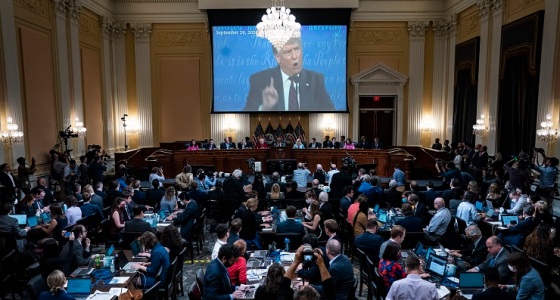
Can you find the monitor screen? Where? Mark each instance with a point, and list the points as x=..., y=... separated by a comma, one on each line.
x=478, y=205
x=437, y=264
x=21, y=219
x=136, y=247
x=471, y=280
x=429, y=253
x=507, y=220
x=79, y=286
x=251, y=76
x=419, y=250
x=382, y=216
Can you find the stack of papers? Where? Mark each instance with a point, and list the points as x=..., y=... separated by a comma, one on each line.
x=442, y=292
x=98, y=295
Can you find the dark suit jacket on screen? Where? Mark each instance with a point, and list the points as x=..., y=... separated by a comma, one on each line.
x=312, y=93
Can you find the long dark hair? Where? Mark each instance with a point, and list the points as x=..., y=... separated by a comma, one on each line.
x=521, y=264
x=171, y=236
x=274, y=278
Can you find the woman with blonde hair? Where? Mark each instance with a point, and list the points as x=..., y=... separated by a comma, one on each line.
x=542, y=214
x=56, y=282
x=275, y=193
x=494, y=194
x=168, y=202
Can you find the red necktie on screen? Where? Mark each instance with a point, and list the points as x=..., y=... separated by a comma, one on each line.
x=293, y=100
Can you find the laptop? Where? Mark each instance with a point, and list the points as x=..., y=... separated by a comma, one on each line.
x=418, y=251
x=429, y=253
x=489, y=204
x=151, y=221
x=471, y=282
x=436, y=267
x=21, y=219
x=376, y=208
x=442, y=250
x=110, y=251
x=478, y=205
x=32, y=221
x=81, y=272
x=509, y=219
x=46, y=218
x=398, y=218
x=79, y=288
x=382, y=216
x=162, y=214
x=490, y=212
x=136, y=247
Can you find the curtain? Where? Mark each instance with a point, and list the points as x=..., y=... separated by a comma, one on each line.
x=464, y=107
x=517, y=107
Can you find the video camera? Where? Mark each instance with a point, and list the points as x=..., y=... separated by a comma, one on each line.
x=67, y=133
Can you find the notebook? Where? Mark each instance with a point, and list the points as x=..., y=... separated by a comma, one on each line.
x=21, y=219
x=436, y=267
x=136, y=247
x=509, y=219
x=471, y=282
x=32, y=221
x=79, y=288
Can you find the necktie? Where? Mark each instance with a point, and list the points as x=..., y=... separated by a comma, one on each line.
x=293, y=100
x=492, y=262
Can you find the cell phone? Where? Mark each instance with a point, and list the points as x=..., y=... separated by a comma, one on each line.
x=67, y=234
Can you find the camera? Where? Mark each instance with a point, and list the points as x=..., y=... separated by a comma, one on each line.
x=308, y=254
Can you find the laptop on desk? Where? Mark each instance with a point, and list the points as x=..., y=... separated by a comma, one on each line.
x=79, y=288
x=32, y=221
x=418, y=251
x=509, y=220
x=436, y=267
x=136, y=248
x=46, y=218
x=479, y=206
x=21, y=219
x=471, y=282
x=382, y=216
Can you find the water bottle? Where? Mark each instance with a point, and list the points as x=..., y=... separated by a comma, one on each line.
x=113, y=267
x=287, y=244
x=116, y=262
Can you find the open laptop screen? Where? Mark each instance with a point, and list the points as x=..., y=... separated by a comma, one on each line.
x=136, y=247
x=382, y=216
x=507, y=220
x=79, y=286
x=437, y=264
x=471, y=280
x=21, y=219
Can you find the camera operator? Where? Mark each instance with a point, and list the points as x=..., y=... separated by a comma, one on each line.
x=71, y=176
x=548, y=172
x=517, y=171
x=308, y=292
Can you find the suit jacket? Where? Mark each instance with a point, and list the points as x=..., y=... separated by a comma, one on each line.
x=326, y=211
x=327, y=144
x=8, y=188
x=89, y=209
x=80, y=256
x=338, y=182
x=60, y=295
x=139, y=197
x=342, y=273
x=393, y=197
x=210, y=146
x=378, y=146
x=290, y=226
x=233, y=237
x=312, y=93
x=316, y=144
x=421, y=211
x=186, y=219
x=224, y=145
x=49, y=196
x=10, y=225
x=248, y=145
x=137, y=225
x=370, y=244
x=475, y=255
x=363, y=145
x=217, y=285
x=411, y=224
x=321, y=176
x=524, y=227
x=499, y=262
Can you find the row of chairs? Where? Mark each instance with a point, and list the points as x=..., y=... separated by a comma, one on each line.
x=369, y=275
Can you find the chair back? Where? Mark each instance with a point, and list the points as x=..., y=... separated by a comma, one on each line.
x=7, y=242
x=543, y=269
x=380, y=284
x=352, y=293
x=200, y=282
x=453, y=205
x=170, y=272
x=363, y=262
x=195, y=291
x=36, y=286
x=294, y=238
x=152, y=293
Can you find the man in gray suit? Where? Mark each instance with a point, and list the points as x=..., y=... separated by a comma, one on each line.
x=82, y=253
x=497, y=258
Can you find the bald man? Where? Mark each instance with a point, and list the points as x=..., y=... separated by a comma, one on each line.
x=341, y=269
x=439, y=222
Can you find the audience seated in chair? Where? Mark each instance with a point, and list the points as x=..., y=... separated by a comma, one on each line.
x=369, y=241
x=397, y=235
x=56, y=282
x=410, y=222
x=476, y=252
x=222, y=233
x=413, y=286
x=290, y=225
x=439, y=223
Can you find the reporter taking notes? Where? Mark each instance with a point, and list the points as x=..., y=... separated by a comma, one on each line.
x=288, y=86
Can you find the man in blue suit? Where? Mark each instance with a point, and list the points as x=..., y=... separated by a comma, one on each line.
x=217, y=285
x=288, y=87
x=369, y=241
x=290, y=225
x=341, y=270
x=186, y=218
x=515, y=233
x=410, y=222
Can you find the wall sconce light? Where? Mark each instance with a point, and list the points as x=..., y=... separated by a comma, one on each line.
x=132, y=126
x=80, y=129
x=479, y=128
x=12, y=136
x=428, y=125
x=546, y=133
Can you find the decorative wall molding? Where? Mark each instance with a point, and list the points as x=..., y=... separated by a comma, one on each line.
x=469, y=24
x=497, y=6
x=483, y=7
x=74, y=8
x=60, y=6
x=38, y=7
x=515, y=6
x=141, y=30
x=179, y=38
x=379, y=37
x=88, y=27
x=418, y=28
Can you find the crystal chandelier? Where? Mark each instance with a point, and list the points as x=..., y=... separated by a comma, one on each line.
x=479, y=128
x=278, y=25
x=546, y=133
x=80, y=129
x=12, y=136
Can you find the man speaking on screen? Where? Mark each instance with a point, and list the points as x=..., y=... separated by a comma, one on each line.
x=288, y=87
